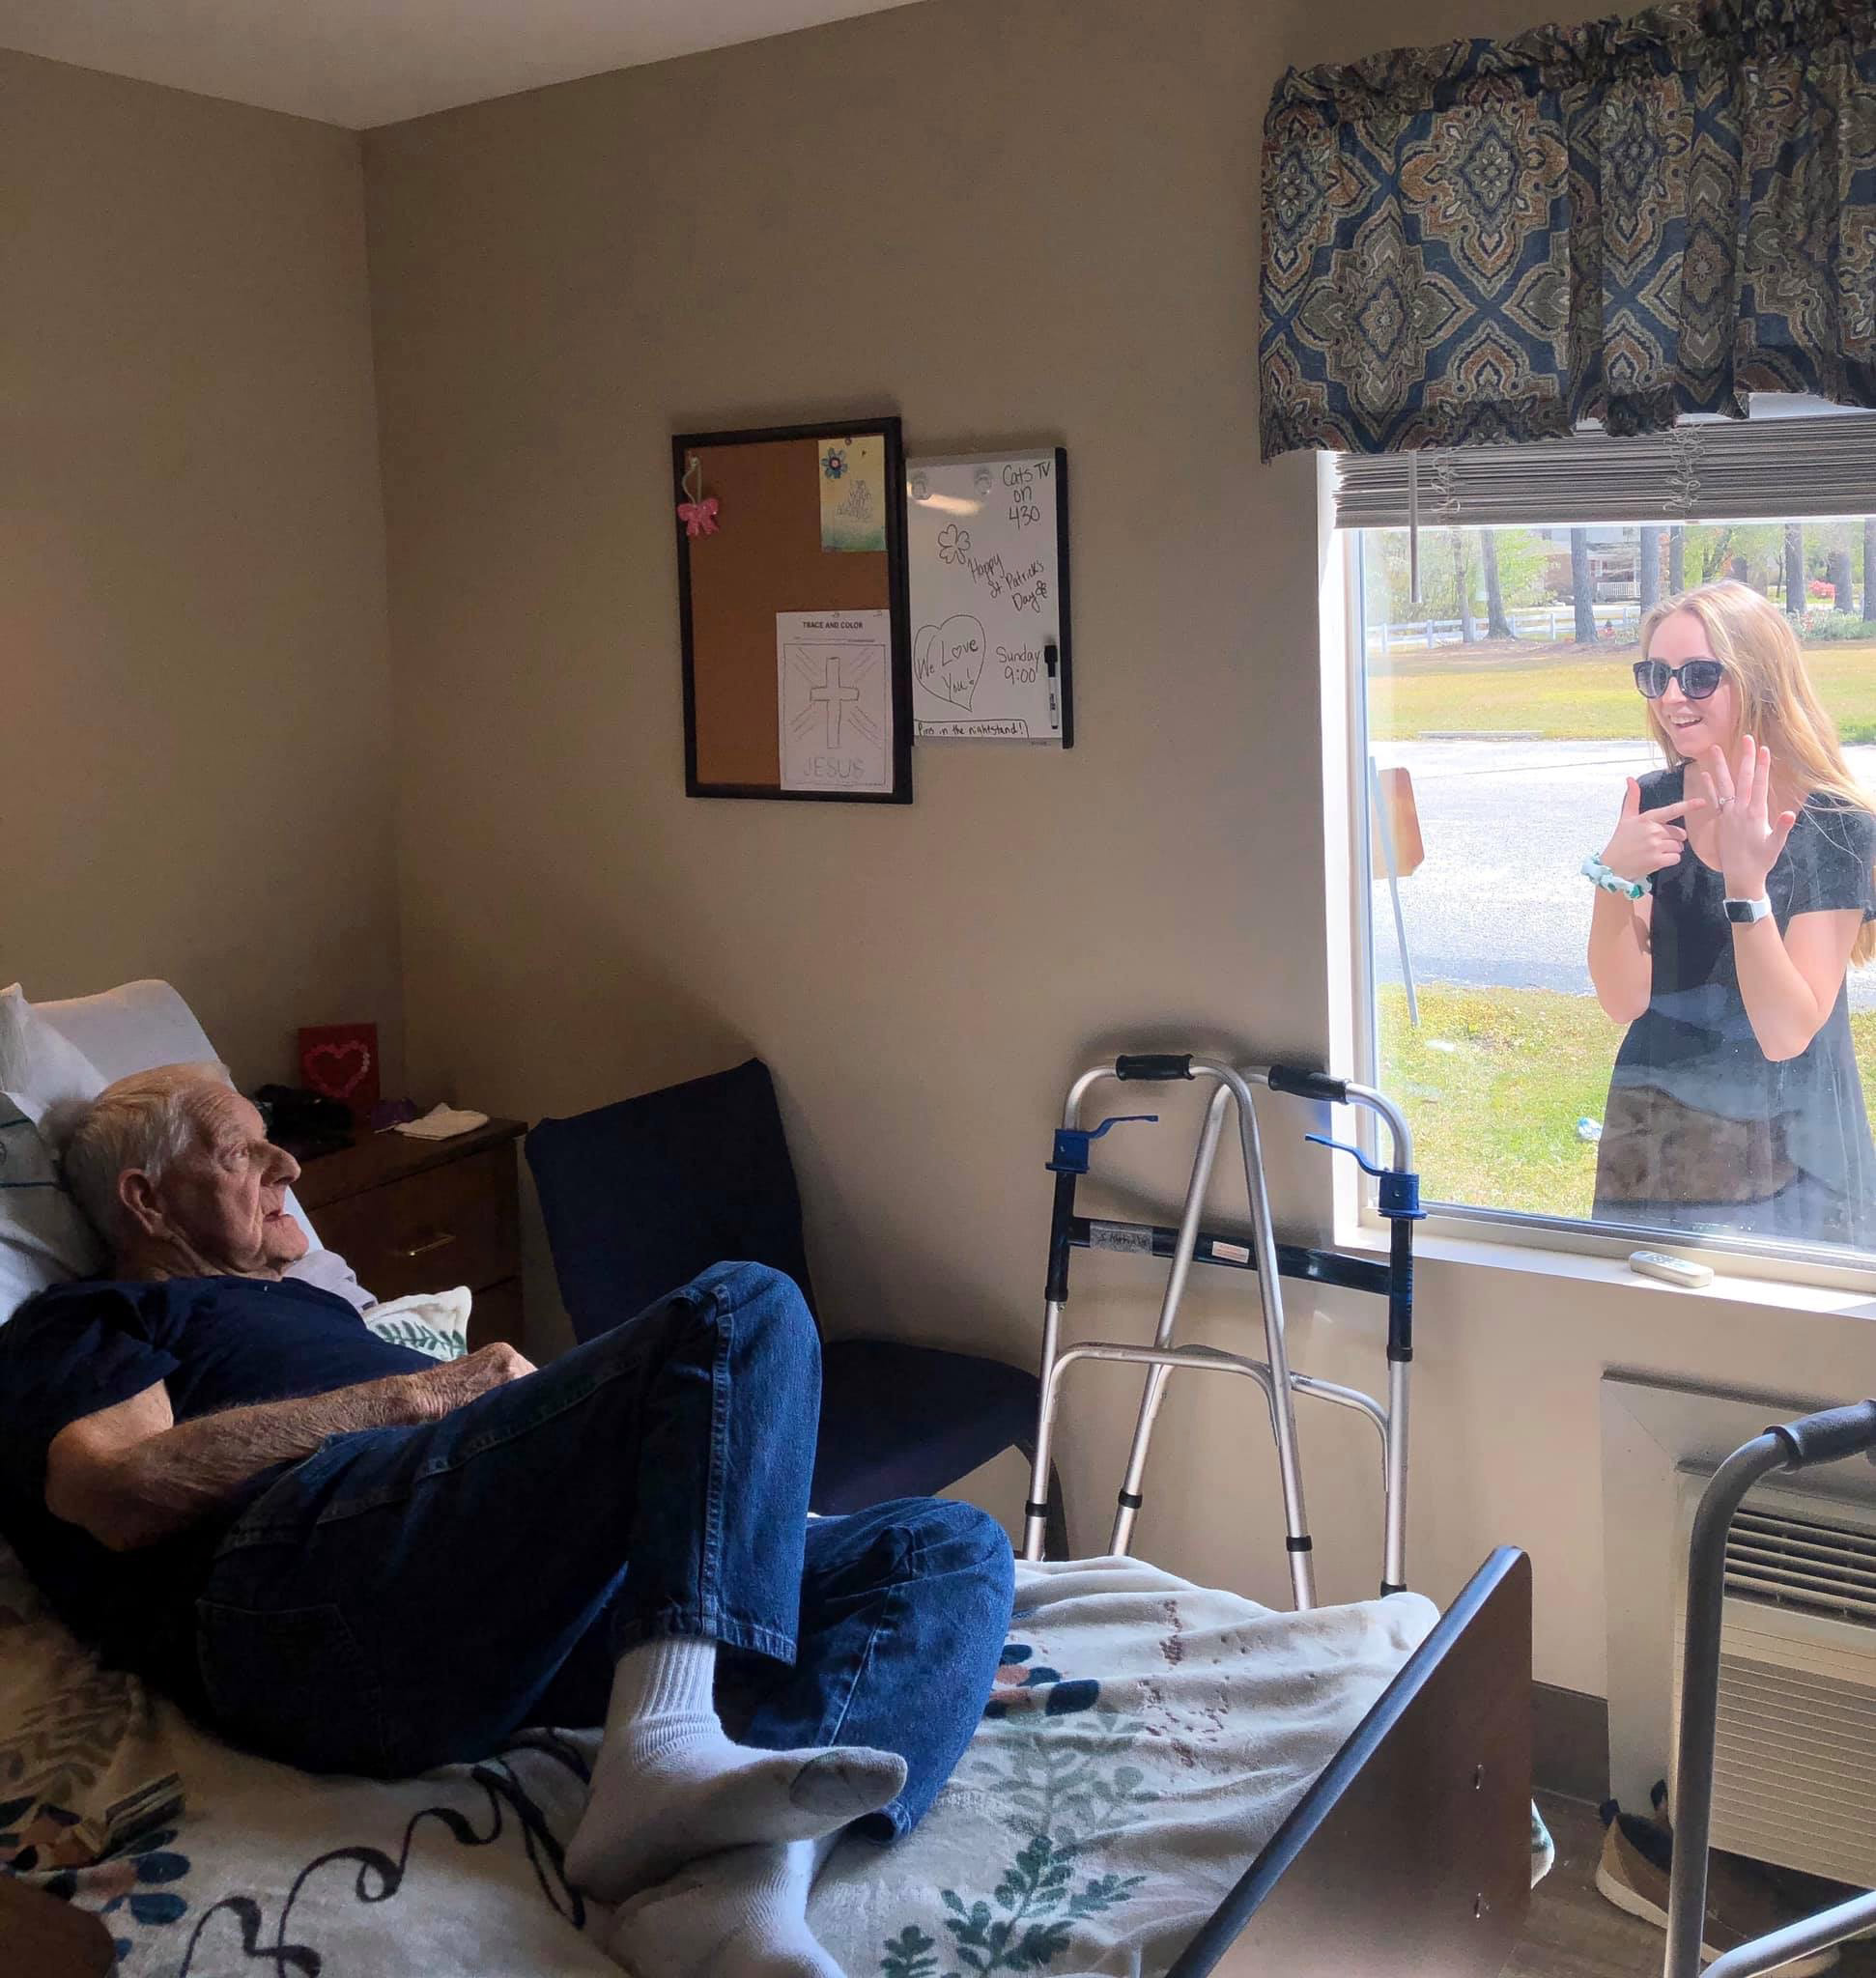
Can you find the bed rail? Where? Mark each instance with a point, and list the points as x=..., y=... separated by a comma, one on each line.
x=1410, y=1854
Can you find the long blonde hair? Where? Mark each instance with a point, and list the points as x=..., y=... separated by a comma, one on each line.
x=1753, y=640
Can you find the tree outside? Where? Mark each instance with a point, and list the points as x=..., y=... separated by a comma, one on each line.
x=1478, y=575
x=1648, y=569
x=1746, y=550
x=1516, y=586
x=1582, y=586
x=1496, y=624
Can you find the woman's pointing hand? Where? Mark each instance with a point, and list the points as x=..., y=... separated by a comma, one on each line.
x=1646, y=841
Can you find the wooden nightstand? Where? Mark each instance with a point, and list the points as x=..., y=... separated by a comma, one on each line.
x=421, y=1215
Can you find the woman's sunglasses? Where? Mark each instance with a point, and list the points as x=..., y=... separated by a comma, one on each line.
x=1697, y=677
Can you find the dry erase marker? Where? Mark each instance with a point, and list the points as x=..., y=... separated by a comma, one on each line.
x=1055, y=713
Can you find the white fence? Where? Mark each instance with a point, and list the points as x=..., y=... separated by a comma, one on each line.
x=1548, y=622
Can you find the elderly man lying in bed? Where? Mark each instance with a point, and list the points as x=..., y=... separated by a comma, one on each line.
x=352, y=1558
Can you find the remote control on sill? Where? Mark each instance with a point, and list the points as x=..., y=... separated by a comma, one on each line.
x=1672, y=1270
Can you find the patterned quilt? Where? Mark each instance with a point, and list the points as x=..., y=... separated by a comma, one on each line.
x=1144, y=1738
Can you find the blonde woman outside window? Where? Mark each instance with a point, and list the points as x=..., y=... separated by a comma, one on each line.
x=1735, y=1103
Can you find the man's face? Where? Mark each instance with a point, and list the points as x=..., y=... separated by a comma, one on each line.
x=225, y=1197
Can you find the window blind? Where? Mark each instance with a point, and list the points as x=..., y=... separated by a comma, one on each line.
x=1758, y=470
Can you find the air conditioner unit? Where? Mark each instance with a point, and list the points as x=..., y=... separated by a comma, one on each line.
x=1795, y=1759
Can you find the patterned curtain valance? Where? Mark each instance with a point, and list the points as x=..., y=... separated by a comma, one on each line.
x=1623, y=221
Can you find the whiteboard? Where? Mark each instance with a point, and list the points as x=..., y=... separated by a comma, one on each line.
x=987, y=554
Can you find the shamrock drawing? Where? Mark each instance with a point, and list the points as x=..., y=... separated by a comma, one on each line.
x=953, y=543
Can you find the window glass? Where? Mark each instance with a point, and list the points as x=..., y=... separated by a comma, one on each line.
x=1561, y=1049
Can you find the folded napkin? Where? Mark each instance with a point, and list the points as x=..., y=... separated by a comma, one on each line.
x=442, y=1122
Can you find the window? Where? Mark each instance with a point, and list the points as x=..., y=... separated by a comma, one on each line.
x=1697, y=1076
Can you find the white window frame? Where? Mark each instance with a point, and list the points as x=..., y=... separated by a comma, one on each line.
x=1354, y=1034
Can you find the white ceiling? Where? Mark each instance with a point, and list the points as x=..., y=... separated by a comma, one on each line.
x=367, y=62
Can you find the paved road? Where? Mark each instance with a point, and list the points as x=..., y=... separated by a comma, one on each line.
x=1506, y=824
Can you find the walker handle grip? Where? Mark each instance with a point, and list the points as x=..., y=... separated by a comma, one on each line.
x=1300, y=1084
x=1829, y=1436
x=1159, y=1065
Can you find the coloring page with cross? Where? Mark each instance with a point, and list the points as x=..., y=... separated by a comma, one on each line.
x=834, y=699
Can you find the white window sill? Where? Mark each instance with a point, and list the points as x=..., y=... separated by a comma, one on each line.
x=1844, y=1299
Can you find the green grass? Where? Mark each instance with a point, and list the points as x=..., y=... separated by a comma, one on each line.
x=1569, y=693
x=1494, y=1082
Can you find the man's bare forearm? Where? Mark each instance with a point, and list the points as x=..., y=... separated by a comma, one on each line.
x=170, y=1482
x=130, y=1475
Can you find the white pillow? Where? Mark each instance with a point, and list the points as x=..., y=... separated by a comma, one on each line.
x=44, y=1239
x=39, y=1067
x=130, y=1028
x=432, y=1322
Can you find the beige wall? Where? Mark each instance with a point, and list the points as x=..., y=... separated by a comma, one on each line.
x=1008, y=220
x=194, y=685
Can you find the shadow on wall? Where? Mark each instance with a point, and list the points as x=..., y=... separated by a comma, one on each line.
x=558, y=1007
x=509, y=1024
x=519, y=1032
x=566, y=1004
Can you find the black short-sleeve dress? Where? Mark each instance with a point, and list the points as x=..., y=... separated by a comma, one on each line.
x=1702, y=1131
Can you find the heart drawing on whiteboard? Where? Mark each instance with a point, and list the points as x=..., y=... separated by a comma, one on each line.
x=337, y=1070
x=948, y=658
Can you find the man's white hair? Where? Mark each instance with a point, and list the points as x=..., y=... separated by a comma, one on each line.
x=148, y=1122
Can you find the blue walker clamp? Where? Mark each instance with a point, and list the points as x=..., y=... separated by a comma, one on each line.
x=1072, y=1143
x=1399, y=1187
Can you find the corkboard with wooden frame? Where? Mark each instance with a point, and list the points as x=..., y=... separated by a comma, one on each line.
x=762, y=556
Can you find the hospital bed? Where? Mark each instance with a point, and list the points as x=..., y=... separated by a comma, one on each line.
x=1169, y=1779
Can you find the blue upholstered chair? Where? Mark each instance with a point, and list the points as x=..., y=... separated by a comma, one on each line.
x=641, y=1195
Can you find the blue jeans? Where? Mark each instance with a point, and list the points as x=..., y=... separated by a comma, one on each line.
x=408, y=1598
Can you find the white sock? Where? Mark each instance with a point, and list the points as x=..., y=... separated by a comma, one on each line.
x=670, y=1788
x=739, y=1914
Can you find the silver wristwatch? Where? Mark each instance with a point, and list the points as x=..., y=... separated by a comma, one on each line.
x=1742, y=913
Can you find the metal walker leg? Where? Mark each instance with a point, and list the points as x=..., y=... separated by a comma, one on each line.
x=1130, y=1500
x=1802, y=1445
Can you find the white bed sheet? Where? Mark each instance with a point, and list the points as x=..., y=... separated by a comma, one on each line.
x=1144, y=1739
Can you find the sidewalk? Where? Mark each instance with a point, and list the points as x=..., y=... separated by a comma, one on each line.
x=1506, y=825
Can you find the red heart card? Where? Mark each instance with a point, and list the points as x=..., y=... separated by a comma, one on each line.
x=340, y=1061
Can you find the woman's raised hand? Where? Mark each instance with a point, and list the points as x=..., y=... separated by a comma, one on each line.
x=1748, y=834
x=1646, y=841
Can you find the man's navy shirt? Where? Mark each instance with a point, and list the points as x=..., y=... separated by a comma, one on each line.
x=215, y=1344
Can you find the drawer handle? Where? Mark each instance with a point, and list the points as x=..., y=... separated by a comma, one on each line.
x=424, y=1248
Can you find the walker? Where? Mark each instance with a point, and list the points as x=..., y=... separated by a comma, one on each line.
x=1824, y=1438
x=1189, y=1243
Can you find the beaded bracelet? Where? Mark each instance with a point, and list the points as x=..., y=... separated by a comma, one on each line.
x=1595, y=870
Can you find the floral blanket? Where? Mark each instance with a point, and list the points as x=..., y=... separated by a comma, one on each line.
x=1144, y=1738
